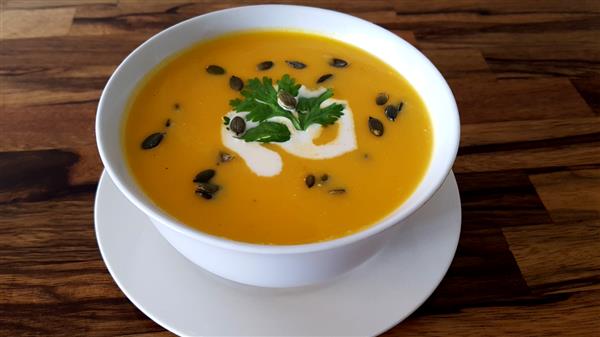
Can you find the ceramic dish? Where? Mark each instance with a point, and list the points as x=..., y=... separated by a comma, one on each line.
x=189, y=301
x=265, y=265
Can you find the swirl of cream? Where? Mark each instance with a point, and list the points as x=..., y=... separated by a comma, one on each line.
x=268, y=163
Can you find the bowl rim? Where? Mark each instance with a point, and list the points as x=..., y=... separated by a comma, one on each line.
x=161, y=216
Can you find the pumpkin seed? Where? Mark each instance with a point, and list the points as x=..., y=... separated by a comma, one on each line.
x=338, y=63
x=391, y=112
x=152, y=141
x=337, y=191
x=286, y=100
x=215, y=70
x=226, y=120
x=325, y=177
x=400, y=106
x=207, y=188
x=168, y=122
x=205, y=176
x=309, y=180
x=324, y=78
x=238, y=125
x=381, y=98
x=375, y=126
x=176, y=107
x=204, y=195
x=225, y=157
x=296, y=64
x=266, y=65
x=236, y=83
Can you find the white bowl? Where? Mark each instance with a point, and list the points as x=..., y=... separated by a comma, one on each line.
x=278, y=266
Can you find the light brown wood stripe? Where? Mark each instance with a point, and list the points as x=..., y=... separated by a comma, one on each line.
x=559, y=156
x=570, y=195
x=18, y=24
x=458, y=63
x=558, y=256
x=527, y=131
x=33, y=4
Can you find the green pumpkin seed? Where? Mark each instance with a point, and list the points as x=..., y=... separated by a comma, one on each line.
x=286, y=100
x=215, y=70
x=325, y=177
x=168, y=122
x=236, y=83
x=309, y=180
x=338, y=63
x=152, y=141
x=238, y=125
x=266, y=65
x=381, y=98
x=207, y=188
x=296, y=64
x=391, y=112
x=204, y=195
x=205, y=176
x=324, y=78
x=375, y=126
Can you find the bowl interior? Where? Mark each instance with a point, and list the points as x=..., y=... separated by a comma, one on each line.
x=407, y=60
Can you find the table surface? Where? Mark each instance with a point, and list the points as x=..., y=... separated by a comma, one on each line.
x=526, y=75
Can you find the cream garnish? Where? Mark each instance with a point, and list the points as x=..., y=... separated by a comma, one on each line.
x=268, y=163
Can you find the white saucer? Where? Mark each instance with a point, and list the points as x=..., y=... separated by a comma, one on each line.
x=187, y=300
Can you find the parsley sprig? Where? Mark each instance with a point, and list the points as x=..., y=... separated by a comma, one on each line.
x=260, y=101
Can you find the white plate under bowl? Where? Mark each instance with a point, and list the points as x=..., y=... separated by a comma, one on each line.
x=189, y=301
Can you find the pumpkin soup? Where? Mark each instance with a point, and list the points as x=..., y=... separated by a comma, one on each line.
x=277, y=137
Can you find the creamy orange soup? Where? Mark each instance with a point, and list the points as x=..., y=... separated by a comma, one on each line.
x=185, y=102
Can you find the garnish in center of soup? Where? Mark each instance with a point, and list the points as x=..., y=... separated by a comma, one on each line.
x=277, y=137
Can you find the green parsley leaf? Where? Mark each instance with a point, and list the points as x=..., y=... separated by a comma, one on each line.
x=267, y=132
x=310, y=111
x=260, y=100
x=287, y=83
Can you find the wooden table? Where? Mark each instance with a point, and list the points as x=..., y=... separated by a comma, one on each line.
x=526, y=75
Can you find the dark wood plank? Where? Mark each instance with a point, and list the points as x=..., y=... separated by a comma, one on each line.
x=482, y=100
x=500, y=199
x=460, y=63
x=566, y=315
x=589, y=89
x=53, y=280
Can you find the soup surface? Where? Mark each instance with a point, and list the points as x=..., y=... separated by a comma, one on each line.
x=185, y=101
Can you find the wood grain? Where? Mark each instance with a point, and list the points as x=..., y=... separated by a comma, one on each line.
x=483, y=100
x=18, y=24
x=526, y=77
x=561, y=193
x=571, y=315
